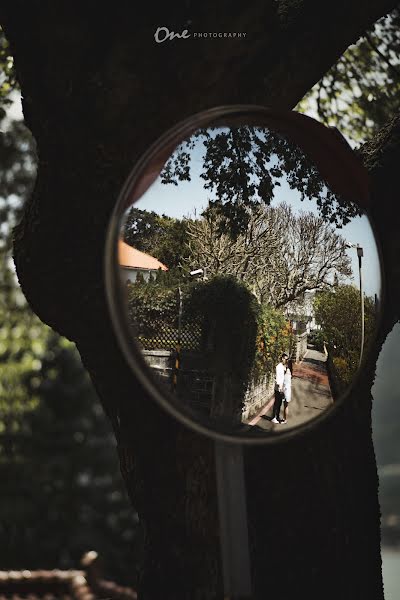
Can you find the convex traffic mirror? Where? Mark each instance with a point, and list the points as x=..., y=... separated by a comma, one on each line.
x=243, y=274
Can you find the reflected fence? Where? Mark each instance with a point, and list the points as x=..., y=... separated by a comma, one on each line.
x=216, y=363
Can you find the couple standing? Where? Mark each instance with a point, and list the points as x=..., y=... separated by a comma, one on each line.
x=283, y=389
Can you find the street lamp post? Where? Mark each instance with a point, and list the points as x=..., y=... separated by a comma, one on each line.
x=199, y=272
x=360, y=254
x=232, y=510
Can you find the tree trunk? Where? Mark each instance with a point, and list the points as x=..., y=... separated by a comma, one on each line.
x=97, y=92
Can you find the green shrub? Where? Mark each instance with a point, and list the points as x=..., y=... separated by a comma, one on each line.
x=228, y=314
x=274, y=336
x=345, y=369
x=317, y=338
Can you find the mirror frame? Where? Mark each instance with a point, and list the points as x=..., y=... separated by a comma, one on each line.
x=325, y=146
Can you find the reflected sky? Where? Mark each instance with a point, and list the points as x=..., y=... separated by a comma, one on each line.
x=189, y=198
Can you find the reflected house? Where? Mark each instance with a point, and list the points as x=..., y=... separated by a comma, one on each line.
x=301, y=314
x=133, y=261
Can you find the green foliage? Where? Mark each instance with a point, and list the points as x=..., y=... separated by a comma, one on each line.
x=317, y=338
x=158, y=235
x=22, y=346
x=250, y=336
x=345, y=368
x=8, y=81
x=235, y=339
x=61, y=493
x=243, y=165
x=338, y=312
x=223, y=308
x=228, y=314
x=152, y=301
x=274, y=336
x=18, y=161
x=361, y=92
x=153, y=310
x=61, y=489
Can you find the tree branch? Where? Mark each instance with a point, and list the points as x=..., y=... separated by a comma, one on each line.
x=374, y=47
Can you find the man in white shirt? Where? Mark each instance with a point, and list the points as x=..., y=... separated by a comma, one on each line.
x=279, y=377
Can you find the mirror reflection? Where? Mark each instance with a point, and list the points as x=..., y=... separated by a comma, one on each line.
x=251, y=287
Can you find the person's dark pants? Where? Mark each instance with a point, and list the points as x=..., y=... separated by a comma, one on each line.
x=277, y=404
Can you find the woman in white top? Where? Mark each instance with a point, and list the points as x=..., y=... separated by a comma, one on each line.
x=287, y=389
x=278, y=392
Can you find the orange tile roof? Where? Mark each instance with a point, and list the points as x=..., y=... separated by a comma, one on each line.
x=135, y=259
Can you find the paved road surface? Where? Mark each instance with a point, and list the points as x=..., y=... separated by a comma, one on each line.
x=311, y=394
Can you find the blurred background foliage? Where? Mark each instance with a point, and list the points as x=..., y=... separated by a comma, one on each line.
x=361, y=91
x=61, y=492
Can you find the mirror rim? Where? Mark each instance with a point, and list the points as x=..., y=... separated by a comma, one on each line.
x=218, y=116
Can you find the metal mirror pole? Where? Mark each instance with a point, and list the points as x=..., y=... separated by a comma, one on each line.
x=233, y=521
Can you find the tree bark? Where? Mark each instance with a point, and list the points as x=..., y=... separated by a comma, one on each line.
x=97, y=91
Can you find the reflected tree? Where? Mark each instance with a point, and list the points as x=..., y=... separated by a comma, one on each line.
x=280, y=255
x=241, y=167
x=338, y=312
x=161, y=236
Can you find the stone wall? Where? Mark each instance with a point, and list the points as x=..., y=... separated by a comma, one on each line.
x=161, y=362
x=194, y=378
x=301, y=346
x=257, y=395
